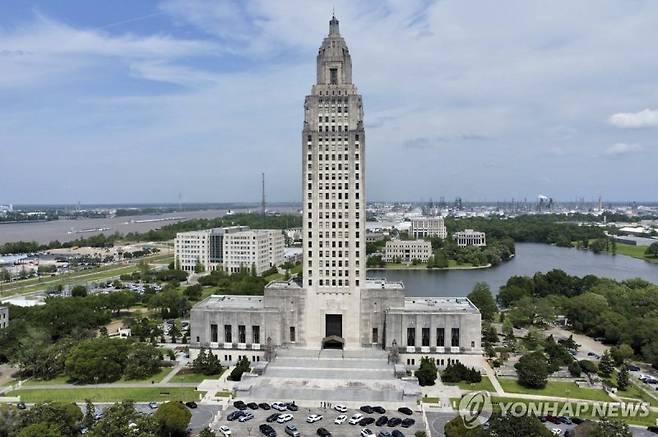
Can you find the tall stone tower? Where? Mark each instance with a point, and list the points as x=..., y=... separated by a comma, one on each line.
x=333, y=152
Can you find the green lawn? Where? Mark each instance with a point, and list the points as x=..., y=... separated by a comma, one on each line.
x=108, y=394
x=556, y=388
x=635, y=252
x=63, y=379
x=633, y=391
x=452, y=264
x=186, y=375
x=484, y=385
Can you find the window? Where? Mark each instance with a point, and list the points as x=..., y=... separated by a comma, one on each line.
x=411, y=336
x=333, y=73
x=440, y=336
x=375, y=335
x=255, y=333
x=228, y=336
x=455, y=337
x=425, y=337
x=213, y=333
x=292, y=334
x=242, y=334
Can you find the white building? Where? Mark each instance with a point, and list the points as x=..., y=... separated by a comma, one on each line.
x=4, y=317
x=205, y=246
x=469, y=237
x=259, y=248
x=407, y=250
x=422, y=227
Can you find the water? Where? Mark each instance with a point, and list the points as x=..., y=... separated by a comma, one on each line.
x=530, y=258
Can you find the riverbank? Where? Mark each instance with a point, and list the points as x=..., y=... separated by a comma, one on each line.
x=396, y=266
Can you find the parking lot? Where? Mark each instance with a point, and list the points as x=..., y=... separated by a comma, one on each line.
x=250, y=428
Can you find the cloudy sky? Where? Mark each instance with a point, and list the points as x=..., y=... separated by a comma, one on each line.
x=138, y=101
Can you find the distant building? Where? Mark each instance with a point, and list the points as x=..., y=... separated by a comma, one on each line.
x=205, y=246
x=469, y=237
x=422, y=227
x=4, y=317
x=373, y=237
x=407, y=250
x=259, y=248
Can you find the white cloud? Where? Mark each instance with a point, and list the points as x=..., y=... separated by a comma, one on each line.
x=645, y=118
x=622, y=149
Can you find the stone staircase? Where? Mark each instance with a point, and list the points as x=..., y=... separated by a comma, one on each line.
x=328, y=375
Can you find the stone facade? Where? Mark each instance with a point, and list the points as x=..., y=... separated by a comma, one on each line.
x=424, y=227
x=469, y=237
x=334, y=306
x=407, y=250
x=205, y=246
x=4, y=317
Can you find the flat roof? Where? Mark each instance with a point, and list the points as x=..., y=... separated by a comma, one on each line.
x=288, y=285
x=374, y=283
x=217, y=301
x=437, y=305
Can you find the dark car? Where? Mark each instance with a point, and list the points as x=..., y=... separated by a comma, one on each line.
x=406, y=423
x=565, y=420
x=323, y=432
x=384, y=433
x=577, y=420
x=542, y=419
x=632, y=368
x=366, y=421
x=379, y=410
x=21, y=405
x=397, y=433
x=234, y=415
x=394, y=421
x=272, y=417
x=653, y=429
x=553, y=419
x=267, y=430
x=381, y=421
x=190, y=404
x=366, y=409
x=264, y=406
x=291, y=406
x=252, y=405
x=405, y=410
x=240, y=405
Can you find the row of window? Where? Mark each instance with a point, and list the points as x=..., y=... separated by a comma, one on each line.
x=333, y=253
x=425, y=337
x=228, y=334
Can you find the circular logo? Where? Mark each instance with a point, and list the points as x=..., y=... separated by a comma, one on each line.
x=475, y=408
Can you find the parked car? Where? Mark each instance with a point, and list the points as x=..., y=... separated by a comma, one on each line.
x=366, y=409
x=252, y=405
x=21, y=406
x=577, y=420
x=381, y=421
x=245, y=417
x=405, y=410
x=565, y=420
x=366, y=421
x=272, y=417
x=379, y=410
x=340, y=408
x=340, y=419
x=367, y=432
x=279, y=406
x=267, y=430
x=653, y=429
x=394, y=421
x=264, y=406
x=556, y=431
x=314, y=418
x=240, y=405
x=292, y=430
x=408, y=422
x=323, y=432
x=190, y=404
x=397, y=433
x=290, y=406
x=632, y=368
x=384, y=433
x=283, y=418
x=356, y=418
x=153, y=405
x=553, y=419
x=235, y=415
x=225, y=430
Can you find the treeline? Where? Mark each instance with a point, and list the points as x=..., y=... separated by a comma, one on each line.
x=165, y=233
x=550, y=229
x=621, y=313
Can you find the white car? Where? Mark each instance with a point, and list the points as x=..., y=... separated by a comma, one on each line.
x=283, y=418
x=225, y=430
x=341, y=408
x=556, y=431
x=340, y=419
x=367, y=432
x=356, y=418
x=314, y=418
x=245, y=417
x=279, y=406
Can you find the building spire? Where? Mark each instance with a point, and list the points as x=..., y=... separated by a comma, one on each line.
x=333, y=25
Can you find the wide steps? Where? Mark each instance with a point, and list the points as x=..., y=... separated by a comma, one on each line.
x=330, y=363
x=328, y=373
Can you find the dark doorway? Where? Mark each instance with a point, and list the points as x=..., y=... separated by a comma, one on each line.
x=333, y=325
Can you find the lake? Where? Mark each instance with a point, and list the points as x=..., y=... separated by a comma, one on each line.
x=530, y=258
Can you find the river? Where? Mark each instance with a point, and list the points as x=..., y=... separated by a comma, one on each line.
x=530, y=258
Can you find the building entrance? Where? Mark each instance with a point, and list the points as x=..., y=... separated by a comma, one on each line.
x=333, y=332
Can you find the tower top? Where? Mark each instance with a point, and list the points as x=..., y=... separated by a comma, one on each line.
x=333, y=26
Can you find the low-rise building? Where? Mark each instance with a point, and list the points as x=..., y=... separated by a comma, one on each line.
x=205, y=247
x=427, y=227
x=4, y=317
x=258, y=249
x=469, y=237
x=407, y=250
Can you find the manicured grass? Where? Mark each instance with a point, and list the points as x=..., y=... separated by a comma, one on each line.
x=484, y=385
x=633, y=391
x=186, y=375
x=430, y=400
x=108, y=394
x=557, y=389
x=164, y=371
x=63, y=379
x=635, y=252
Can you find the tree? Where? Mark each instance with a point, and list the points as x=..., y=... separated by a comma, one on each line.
x=610, y=428
x=89, y=417
x=456, y=428
x=426, y=372
x=101, y=359
x=143, y=360
x=588, y=366
x=606, y=365
x=173, y=419
x=63, y=417
x=207, y=432
x=623, y=379
x=652, y=250
x=117, y=420
x=240, y=368
x=40, y=430
x=574, y=369
x=174, y=332
x=532, y=370
x=193, y=292
x=9, y=419
x=621, y=353
x=79, y=291
x=482, y=298
x=199, y=268
x=513, y=426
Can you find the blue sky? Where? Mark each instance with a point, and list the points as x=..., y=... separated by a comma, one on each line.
x=137, y=101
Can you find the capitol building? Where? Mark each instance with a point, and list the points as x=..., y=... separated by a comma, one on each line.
x=336, y=305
